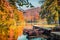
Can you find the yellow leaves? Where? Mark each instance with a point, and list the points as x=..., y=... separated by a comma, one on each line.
x=11, y=21
x=8, y=18
x=13, y=27
x=21, y=22
x=3, y=33
x=20, y=32
x=0, y=12
x=20, y=14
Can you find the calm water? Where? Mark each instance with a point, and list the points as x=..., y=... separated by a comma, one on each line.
x=23, y=37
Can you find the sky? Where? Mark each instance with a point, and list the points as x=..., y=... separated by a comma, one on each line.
x=35, y=3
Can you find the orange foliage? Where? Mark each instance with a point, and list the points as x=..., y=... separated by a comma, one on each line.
x=12, y=19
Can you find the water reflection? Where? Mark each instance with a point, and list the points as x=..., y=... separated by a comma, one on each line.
x=23, y=37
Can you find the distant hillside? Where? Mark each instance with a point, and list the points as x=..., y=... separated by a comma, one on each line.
x=32, y=14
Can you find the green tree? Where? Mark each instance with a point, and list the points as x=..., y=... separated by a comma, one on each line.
x=20, y=3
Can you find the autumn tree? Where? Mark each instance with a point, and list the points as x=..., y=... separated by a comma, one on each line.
x=11, y=20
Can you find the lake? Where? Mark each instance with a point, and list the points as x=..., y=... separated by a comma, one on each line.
x=23, y=37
